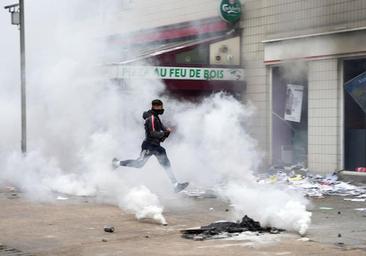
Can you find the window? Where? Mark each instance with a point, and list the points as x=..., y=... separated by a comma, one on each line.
x=198, y=55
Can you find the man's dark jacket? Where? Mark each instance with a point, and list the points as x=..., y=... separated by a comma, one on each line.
x=155, y=131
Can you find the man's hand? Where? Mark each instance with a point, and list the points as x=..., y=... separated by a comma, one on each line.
x=167, y=133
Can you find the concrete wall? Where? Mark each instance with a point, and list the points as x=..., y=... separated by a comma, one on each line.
x=286, y=18
x=253, y=26
x=231, y=57
x=324, y=116
x=156, y=13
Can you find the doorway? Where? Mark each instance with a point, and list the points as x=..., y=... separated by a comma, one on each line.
x=290, y=114
x=354, y=114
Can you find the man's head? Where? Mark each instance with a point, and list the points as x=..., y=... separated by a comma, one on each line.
x=157, y=106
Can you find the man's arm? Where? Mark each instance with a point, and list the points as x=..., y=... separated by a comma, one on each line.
x=167, y=131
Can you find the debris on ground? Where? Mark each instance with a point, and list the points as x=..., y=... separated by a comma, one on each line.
x=62, y=198
x=298, y=178
x=11, y=189
x=361, y=209
x=304, y=239
x=4, y=250
x=355, y=199
x=361, y=169
x=13, y=196
x=225, y=229
x=108, y=228
x=197, y=193
x=325, y=208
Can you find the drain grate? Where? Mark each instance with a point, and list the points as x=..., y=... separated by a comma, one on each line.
x=7, y=251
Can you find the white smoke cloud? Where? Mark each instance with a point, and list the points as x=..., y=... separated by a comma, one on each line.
x=269, y=205
x=78, y=121
x=212, y=148
x=144, y=204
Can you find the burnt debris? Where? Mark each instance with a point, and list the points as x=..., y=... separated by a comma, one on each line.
x=109, y=228
x=223, y=229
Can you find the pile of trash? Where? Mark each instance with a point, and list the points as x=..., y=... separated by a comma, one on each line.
x=298, y=178
x=226, y=229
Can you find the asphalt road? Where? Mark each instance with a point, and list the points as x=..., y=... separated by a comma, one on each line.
x=75, y=227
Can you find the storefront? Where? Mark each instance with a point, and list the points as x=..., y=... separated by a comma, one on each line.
x=327, y=130
x=193, y=59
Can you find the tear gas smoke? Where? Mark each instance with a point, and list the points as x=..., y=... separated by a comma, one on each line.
x=269, y=205
x=144, y=204
x=212, y=148
x=78, y=121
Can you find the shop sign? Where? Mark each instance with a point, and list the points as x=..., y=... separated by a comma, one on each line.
x=230, y=10
x=294, y=99
x=180, y=73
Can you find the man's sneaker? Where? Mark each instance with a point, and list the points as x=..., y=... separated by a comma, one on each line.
x=116, y=163
x=178, y=187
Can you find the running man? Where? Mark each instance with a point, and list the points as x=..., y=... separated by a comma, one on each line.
x=155, y=133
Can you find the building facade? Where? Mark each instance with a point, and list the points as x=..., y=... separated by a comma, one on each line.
x=297, y=55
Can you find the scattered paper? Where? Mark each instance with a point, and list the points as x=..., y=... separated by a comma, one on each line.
x=312, y=185
x=325, y=208
x=361, y=209
x=61, y=198
x=355, y=199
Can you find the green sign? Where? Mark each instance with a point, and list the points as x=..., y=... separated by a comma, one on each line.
x=177, y=73
x=230, y=10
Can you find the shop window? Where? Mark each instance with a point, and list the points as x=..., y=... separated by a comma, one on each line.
x=198, y=56
x=289, y=115
x=354, y=115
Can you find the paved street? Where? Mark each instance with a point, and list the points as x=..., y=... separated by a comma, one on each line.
x=75, y=227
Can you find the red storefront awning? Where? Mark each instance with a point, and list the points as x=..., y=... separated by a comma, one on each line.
x=156, y=50
x=173, y=33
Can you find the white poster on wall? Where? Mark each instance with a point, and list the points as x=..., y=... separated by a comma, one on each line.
x=294, y=99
